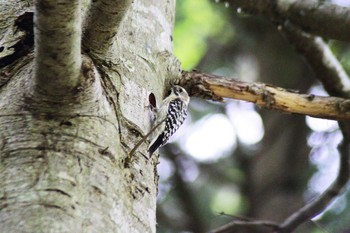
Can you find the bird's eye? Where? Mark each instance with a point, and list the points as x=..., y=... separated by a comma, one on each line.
x=180, y=90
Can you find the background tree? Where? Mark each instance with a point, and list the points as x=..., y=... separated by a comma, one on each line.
x=265, y=179
x=74, y=85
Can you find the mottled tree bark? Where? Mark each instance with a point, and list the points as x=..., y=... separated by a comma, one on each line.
x=63, y=148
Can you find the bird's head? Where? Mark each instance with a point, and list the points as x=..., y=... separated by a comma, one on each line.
x=180, y=92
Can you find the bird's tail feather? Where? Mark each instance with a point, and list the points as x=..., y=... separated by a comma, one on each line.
x=157, y=143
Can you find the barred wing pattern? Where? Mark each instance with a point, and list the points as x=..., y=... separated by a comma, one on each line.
x=176, y=115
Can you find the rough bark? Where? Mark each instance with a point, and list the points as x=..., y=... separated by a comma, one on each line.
x=63, y=161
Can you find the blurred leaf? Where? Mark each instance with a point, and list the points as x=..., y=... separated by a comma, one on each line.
x=226, y=200
x=196, y=22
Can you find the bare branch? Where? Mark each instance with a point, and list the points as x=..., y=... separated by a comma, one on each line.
x=214, y=87
x=319, y=204
x=245, y=226
x=321, y=59
x=57, y=44
x=102, y=24
x=317, y=17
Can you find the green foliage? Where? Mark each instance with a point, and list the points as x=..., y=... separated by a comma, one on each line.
x=196, y=23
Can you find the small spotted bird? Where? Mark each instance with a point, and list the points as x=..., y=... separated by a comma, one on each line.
x=169, y=117
x=172, y=113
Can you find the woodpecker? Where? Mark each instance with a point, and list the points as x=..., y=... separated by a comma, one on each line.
x=171, y=114
x=169, y=117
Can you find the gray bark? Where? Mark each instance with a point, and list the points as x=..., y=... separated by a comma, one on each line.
x=57, y=35
x=64, y=165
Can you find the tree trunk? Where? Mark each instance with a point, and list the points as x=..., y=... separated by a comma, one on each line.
x=64, y=157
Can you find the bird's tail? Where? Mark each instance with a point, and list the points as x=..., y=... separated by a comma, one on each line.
x=156, y=144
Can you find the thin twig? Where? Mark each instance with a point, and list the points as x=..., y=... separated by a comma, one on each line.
x=131, y=153
x=254, y=225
